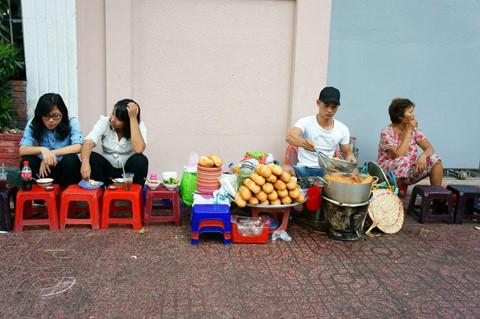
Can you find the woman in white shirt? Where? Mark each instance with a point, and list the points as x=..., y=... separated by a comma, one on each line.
x=124, y=138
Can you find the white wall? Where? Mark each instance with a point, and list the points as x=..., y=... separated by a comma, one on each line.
x=49, y=28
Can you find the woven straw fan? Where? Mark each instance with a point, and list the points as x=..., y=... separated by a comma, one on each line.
x=386, y=212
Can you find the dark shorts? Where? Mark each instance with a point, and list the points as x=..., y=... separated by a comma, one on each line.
x=305, y=171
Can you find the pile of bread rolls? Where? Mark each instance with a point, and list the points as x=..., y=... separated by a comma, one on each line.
x=210, y=161
x=269, y=185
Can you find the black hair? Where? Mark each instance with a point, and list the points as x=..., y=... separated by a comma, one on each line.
x=121, y=113
x=397, y=109
x=44, y=106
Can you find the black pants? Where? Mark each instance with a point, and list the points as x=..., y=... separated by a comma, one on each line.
x=103, y=171
x=66, y=172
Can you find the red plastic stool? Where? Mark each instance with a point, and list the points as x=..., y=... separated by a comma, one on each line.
x=24, y=206
x=134, y=196
x=162, y=193
x=75, y=193
x=211, y=226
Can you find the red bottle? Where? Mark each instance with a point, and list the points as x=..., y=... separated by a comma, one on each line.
x=26, y=177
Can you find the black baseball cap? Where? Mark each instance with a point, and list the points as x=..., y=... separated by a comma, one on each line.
x=330, y=94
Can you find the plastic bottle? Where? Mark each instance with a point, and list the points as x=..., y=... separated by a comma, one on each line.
x=245, y=170
x=26, y=177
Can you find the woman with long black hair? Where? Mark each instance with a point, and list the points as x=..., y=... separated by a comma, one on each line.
x=124, y=138
x=51, y=141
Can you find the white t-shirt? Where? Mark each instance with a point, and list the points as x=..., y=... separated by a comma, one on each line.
x=324, y=141
x=115, y=151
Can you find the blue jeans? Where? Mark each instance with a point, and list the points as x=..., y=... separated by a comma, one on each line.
x=305, y=171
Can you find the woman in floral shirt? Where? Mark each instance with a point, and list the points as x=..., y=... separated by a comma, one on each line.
x=398, y=151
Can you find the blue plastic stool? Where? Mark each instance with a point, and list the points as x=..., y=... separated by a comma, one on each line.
x=208, y=212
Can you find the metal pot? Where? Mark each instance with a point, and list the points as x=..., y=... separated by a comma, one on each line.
x=346, y=192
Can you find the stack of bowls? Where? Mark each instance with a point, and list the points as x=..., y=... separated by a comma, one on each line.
x=208, y=179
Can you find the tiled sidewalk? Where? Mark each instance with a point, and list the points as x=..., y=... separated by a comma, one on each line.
x=425, y=271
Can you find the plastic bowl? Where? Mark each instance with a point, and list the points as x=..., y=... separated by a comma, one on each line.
x=171, y=186
x=118, y=182
x=153, y=185
x=45, y=182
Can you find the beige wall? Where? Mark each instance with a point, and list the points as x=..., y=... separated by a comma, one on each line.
x=214, y=76
x=91, y=61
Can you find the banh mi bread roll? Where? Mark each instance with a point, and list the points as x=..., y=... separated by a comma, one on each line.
x=259, y=180
x=205, y=162
x=286, y=200
x=245, y=192
x=283, y=193
x=300, y=198
x=292, y=184
x=272, y=196
x=285, y=177
x=251, y=185
x=276, y=202
x=265, y=202
x=240, y=201
x=216, y=160
x=261, y=196
x=294, y=193
x=272, y=178
x=263, y=170
x=277, y=170
x=279, y=185
x=267, y=188
x=253, y=201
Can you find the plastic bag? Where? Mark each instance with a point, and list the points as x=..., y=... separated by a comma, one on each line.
x=228, y=183
x=281, y=234
x=188, y=186
x=192, y=163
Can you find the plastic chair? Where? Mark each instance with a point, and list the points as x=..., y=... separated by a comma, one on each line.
x=134, y=196
x=74, y=194
x=24, y=207
x=291, y=155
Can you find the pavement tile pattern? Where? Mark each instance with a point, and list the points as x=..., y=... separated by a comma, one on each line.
x=425, y=271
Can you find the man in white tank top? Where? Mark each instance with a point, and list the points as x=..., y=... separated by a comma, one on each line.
x=320, y=132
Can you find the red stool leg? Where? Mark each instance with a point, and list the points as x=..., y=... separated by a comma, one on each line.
x=136, y=214
x=285, y=218
x=94, y=208
x=105, y=211
x=147, y=213
x=52, y=214
x=19, y=214
x=63, y=212
x=27, y=209
x=176, y=209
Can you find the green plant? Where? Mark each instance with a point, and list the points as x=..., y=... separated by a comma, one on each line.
x=10, y=64
x=5, y=33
